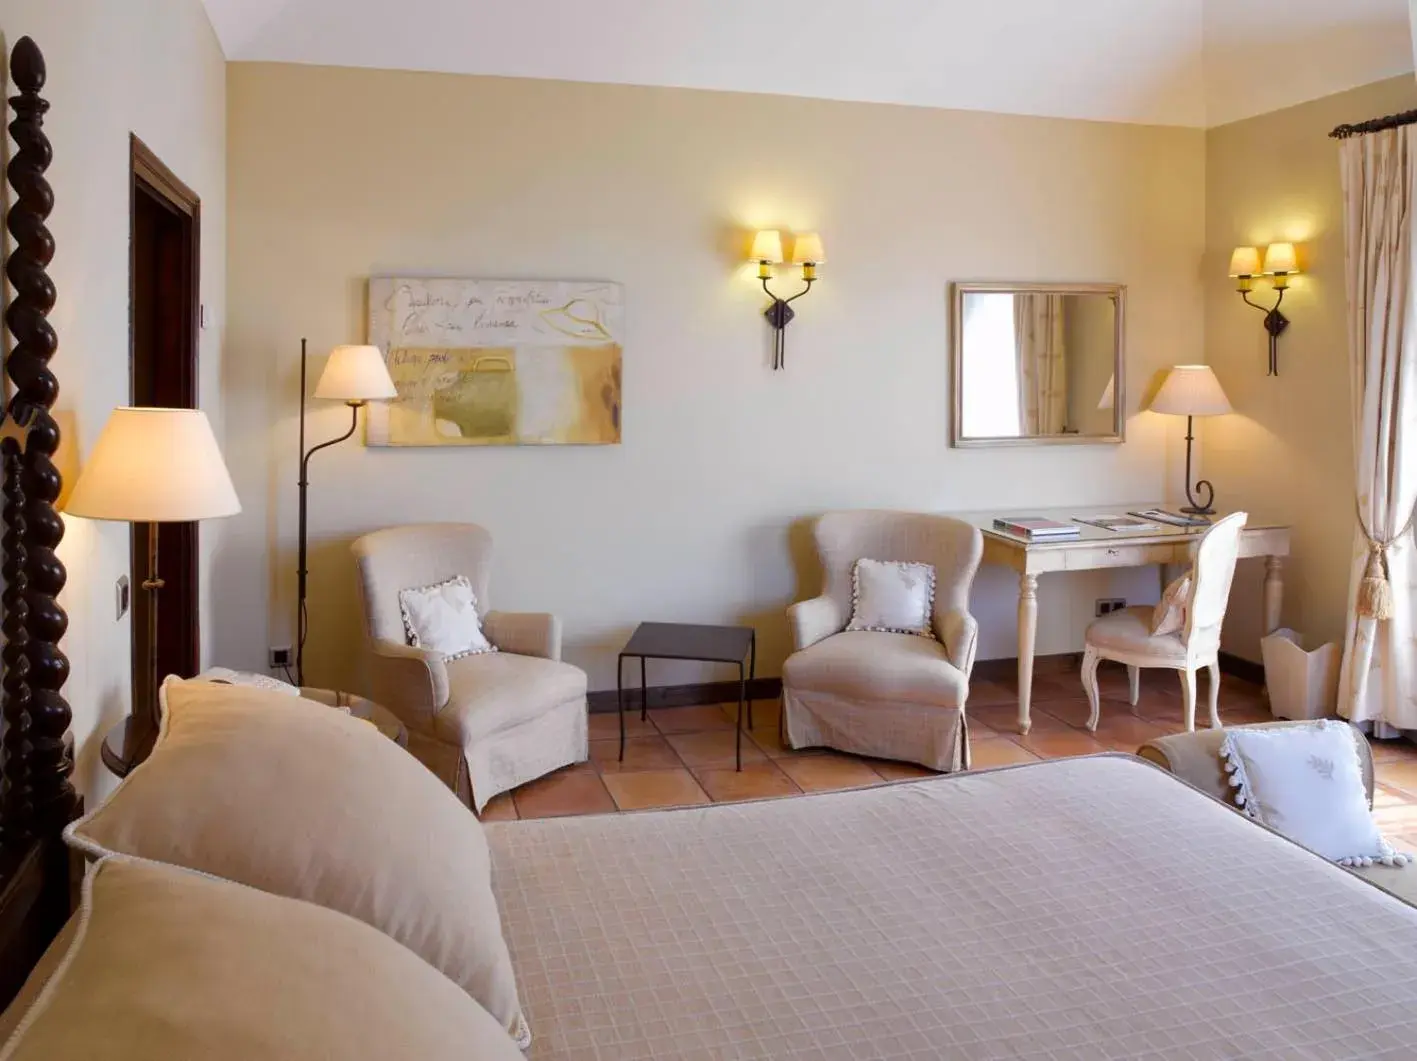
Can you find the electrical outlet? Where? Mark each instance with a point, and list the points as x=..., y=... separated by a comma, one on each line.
x=121, y=597
x=1108, y=605
x=280, y=656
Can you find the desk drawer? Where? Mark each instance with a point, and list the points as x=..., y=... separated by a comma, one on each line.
x=1092, y=557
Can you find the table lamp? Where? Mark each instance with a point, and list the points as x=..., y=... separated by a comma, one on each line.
x=153, y=466
x=1191, y=391
x=354, y=375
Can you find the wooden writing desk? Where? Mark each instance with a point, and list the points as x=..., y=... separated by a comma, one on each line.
x=1095, y=549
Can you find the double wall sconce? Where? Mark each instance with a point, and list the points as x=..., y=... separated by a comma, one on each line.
x=1280, y=263
x=767, y=252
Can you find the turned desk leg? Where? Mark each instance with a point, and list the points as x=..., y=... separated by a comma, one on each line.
x=1027, y=632
x=1273, y=592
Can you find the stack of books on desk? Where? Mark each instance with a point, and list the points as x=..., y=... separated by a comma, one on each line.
x=1036, y=528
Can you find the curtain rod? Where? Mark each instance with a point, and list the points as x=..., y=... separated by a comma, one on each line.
x=1375, y=125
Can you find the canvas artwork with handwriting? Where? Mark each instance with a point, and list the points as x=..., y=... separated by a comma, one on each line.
x=497, y=362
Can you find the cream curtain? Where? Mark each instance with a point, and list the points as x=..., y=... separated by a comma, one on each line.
x=1042, y=363
x=1379, y=678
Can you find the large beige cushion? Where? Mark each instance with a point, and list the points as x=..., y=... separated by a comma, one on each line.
x=293, y=798
x=1129, y=631
x=164, y=963
x=877, y=666
x=494, y=691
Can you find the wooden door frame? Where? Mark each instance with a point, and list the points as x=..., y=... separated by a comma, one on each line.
x=179, y=566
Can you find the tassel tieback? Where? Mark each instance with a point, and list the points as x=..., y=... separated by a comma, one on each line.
x=1375, y=592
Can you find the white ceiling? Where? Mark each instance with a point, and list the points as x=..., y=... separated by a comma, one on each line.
x=1174, y=62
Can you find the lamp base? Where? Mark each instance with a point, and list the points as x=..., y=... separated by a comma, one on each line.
x=1193, y=510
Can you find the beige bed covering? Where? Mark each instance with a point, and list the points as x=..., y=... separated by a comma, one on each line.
x=1076, y=910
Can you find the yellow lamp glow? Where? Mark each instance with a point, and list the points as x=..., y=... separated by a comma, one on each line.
x=807, y=252
x=1281, y=262
x=767, y=247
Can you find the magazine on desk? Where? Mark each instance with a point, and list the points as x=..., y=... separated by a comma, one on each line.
x=1172, y=519
x=1037, y=528
x=1120, y=524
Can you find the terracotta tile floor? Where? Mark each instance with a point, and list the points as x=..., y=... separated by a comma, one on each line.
x=684, y=756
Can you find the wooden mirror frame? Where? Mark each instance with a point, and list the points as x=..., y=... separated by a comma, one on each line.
x=958, y=290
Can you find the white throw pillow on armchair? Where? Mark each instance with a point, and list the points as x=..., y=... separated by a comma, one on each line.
x=893, y=597
x=443, y=617
x=1306, y=782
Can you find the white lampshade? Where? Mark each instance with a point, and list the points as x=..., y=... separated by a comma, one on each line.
x=356, y=374
x=807, y=249
x=1280, y=259
x=155, y=466
x=1191, y=390
x=767, y=247
x=1245, y=262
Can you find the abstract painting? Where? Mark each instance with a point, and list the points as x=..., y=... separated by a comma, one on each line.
x=497, y=362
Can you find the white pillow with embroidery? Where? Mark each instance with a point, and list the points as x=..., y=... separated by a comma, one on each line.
x=892, y=597
x=443, y=617
x=1306, y=781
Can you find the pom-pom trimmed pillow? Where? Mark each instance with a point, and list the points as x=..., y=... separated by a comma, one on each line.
x=1169, y=616
x=1306, y=782
x=165, y=963
x=443, y=617
x=892, y=597
x=285, y=795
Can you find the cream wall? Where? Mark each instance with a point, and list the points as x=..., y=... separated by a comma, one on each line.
x=337, y=174
x=150, y=67
x=1288, y=451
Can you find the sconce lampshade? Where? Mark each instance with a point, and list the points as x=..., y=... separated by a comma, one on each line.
x=155, y=466
x=356, y=374
x=1280, y=259
x=1191, y=390
x=807, y=249
x=767, y=247
x=1245, y=262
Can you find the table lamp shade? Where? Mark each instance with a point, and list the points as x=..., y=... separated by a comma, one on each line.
x=1191, y=390
x=155, y=466
x=356, y=374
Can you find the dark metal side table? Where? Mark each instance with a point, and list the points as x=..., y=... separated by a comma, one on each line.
x=704, y=644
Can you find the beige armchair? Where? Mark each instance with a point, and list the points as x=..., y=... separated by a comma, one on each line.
x=483, y=723
x=893, y=696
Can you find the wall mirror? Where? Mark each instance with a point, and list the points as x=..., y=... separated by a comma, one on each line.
x=1038, y=364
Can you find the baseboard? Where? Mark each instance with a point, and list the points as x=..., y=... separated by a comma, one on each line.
x=606, y=700
x=1006, y=669
x=1239, y=667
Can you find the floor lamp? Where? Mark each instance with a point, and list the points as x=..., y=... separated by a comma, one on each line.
x=153, y=466
x=354, y=375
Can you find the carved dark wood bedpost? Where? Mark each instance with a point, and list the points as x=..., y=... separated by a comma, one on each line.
x=16, y=807
x=36, y=388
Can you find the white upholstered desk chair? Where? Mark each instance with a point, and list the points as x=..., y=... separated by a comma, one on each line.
x=1125, y=636
x=483, y=723
x=893, y=696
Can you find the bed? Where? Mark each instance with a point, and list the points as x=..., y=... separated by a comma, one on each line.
x=1084, y=909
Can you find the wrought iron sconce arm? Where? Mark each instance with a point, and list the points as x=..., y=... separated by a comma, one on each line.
x=779, y=315
x=1274, y=323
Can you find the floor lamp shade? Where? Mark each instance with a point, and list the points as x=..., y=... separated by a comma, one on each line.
x=155, y=466
x=356, y=374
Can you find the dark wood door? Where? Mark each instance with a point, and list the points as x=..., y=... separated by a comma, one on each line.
x=165, y=253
